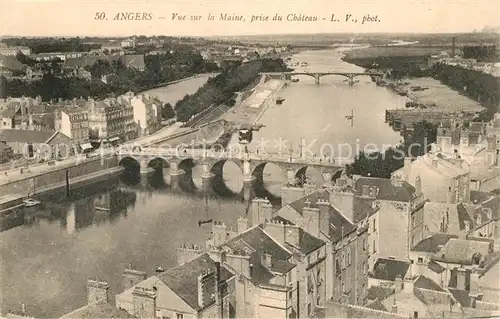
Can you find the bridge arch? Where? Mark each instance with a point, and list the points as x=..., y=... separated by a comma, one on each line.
x=308, y=174
x=161, y=168
x=188, y=183
x=227, y=177
x=132, y=173
x=268, y=178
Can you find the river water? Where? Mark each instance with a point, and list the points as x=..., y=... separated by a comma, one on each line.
x=47, y=259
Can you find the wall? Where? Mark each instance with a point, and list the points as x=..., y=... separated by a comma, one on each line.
x=57, y=175
x=394, y=230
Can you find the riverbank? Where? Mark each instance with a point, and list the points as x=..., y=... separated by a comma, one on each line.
x=258, y=99
x=430, y=93
x=13, y=199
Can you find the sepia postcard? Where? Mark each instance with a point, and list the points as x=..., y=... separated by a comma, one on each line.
x=249, y=159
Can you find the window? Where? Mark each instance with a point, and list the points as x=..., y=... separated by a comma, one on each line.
x=374, y=247
x=290, y=294
x=374, y=225
x=413, y=220
x=318, y=254
x=415, y=314
x=309, y=308
x=364, y=244
x=179, y=316
x=420, y=260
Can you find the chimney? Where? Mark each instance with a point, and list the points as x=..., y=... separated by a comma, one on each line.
x=219, y=233
x=132, y=277
x=187, y=252
x=497, y=158
x=292, y=235
x=266, y=260
x=243, y=225
x=144, y=300
x=399, y=284
x=310, y=220
x=275, y=229
x=461, y=273
x=97, y=291
x=474, y=284
x=418, y=184
x=467, y=226
x=207, y=284
x=365, y=190
x=240, y=263
x=394, y=308
x=261, y=210
x=324, y=216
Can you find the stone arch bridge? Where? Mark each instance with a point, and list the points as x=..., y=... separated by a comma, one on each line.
x=212, y=162
x=317, y=75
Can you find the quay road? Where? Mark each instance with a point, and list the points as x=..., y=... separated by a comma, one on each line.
x=40, y=168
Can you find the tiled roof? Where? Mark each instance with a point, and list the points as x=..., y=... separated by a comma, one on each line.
x=283, y=220
x=362, y=208
x=183, y=280
x=100, y=309
x=435, y=267
x=461, y=251
x=341, y=225
x=11, y=63
x=478, y=197
x=377, y=305
x=258, y=241
x=389, y=269
x=431, y=244
x=308, y=243
x=282, y=267
x=387, y=190
x=379, y=292
x=24, y=136
x=426, y=283
x=463, y=211
x=461, y=296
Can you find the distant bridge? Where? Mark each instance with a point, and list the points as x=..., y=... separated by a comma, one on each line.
x=317, y=75
x=181, y=161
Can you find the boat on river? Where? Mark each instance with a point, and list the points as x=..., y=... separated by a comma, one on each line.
x=30, y=202
x=279, y=100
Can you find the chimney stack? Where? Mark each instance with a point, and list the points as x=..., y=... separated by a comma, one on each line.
x=97, y=291
x=207, y=285
x=461, y=273
x=266, y=260
x=311, y=219
x=261, y=210
x=292, y=235
x=399, y=284
x=144, y=301
x=132, y=277
x=324, y=215
x=275, y=229
x=240, y=263
x=243, y=224
x=365, y=190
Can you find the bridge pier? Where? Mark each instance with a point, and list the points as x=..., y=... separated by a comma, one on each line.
x=290, y=177
x=144, y=165
x=316, y=79
x=248, y=180
x=206, y=177
x=176, y=175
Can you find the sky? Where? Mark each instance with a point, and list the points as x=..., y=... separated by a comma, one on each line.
x=78, y=18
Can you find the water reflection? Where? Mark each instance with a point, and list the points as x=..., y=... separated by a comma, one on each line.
x=86, y=206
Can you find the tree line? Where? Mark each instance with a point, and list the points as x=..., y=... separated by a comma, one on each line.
x=52, y=44
x=382, y=164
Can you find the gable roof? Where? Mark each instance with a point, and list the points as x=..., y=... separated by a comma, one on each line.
x=435, y=267
x=183, y=280
x=479, y=196
x=461, y=296
x=387, y=190
x=100, y=309
x=461, y=251
x=426, y=283
x=389, y=269
x=431, y=244
x=24, y=136
x=362, y=208
x=377, y=305
x=255, y=242
x=379, y=293
x=339, y=224
x=135, y=61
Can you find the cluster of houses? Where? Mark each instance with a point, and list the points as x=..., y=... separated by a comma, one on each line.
x=421, y=244
x=491, y=68
x=225, y=53
x=30, y=125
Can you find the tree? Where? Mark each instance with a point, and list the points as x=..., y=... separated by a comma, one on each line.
x=167, y=111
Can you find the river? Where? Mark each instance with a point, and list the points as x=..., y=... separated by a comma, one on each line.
x=47, y=260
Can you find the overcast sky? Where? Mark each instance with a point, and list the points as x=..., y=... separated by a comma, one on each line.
x=72, y=18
